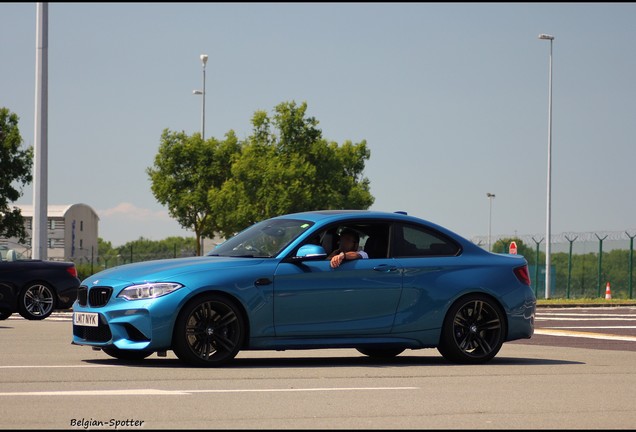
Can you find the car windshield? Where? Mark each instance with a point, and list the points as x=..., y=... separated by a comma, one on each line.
x=263, y=240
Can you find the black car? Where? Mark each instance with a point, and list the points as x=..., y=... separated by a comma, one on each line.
x=35, y=288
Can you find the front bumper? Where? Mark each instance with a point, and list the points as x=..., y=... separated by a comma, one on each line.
x=129, y=325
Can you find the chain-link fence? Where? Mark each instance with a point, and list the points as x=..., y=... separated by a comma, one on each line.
x=583, y=265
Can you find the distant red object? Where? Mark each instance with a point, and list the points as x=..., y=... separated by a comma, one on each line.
x=513, y=248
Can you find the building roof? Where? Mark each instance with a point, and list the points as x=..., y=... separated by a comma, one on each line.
x=53, y=210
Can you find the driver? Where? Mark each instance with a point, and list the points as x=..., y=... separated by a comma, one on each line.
x=348, y=248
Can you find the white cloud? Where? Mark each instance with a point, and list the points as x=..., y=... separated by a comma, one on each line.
x=131, y=211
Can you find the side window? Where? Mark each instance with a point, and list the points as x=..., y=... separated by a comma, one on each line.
x=374, y=237
x=376, y=240
x=414, y=241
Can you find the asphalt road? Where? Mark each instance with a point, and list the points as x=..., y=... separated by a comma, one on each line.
x=577, y=372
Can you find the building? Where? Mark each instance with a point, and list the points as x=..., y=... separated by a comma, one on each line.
x=71, y=233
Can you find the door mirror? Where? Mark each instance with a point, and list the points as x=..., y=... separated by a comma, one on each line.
x=310, y=252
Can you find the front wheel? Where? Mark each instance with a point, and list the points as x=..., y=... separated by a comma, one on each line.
x=36, y=301
x=209, y=331
x=474, y=330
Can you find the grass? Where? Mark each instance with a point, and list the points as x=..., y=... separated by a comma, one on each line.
x=585, y=302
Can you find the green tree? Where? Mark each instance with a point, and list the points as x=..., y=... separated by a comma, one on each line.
x=286, y=166
x=503, y=246
x=106, y=253
x=144, y=249
x=186, y=169
x=15, y=169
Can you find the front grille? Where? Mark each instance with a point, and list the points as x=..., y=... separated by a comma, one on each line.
x=82, y=295
x=101, y=333
x=98, y=296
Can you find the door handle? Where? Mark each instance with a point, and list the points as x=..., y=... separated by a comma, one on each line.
x=385, y=268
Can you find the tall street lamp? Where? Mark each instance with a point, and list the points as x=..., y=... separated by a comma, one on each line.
x=204, y=60
x=547, y=229
x=490, y=197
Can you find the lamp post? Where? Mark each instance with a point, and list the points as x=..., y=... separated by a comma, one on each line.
x=204, y=60
x=547, y=229
x=490, y=197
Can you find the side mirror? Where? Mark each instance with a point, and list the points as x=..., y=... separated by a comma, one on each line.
x=310, y=252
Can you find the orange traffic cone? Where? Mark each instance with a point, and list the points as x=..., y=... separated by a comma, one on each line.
x=608, y=292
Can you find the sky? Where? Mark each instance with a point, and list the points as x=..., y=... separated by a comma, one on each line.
x=452, y=100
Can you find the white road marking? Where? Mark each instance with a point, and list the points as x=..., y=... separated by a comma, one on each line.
x=574, y=331
x=54, y=366
x=591, y=327
x=122, y=392
x=591, y=316
x=156, y=392
x=544, y=318
x=569, y=333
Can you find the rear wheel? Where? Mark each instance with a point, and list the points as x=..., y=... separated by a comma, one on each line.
x=209, y=331
x=4, y=314
x=474, y=330
x=129, y=355
x=381, y=353
x=36, y=301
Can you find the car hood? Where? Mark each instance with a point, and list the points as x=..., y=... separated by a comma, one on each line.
x=168, y=269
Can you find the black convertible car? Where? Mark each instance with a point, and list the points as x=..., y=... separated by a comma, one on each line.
x=35, y=288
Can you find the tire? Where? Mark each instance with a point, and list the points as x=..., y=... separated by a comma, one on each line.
x=4, y=314
x=381, y=353
x=36, y=301
x=474, y=330
x=128, y=355
x=209, y=331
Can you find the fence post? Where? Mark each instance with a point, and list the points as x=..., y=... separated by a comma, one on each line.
x=631, y=261
x=536, y=266
x=567, y=289
x=600, y=260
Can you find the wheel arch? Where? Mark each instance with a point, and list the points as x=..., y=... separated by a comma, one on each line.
x=220, y=293
x=491, y=297
x=30, y=283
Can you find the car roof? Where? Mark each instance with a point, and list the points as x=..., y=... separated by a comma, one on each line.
x=327, y=216
x=320, y=215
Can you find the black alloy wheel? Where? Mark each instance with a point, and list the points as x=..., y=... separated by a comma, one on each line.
x=474, y=330
x=36, y=301
x=209, y=331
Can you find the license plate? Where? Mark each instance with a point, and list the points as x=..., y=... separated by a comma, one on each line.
x=87, y=319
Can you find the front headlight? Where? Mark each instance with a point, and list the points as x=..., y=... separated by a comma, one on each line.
x=148, y=290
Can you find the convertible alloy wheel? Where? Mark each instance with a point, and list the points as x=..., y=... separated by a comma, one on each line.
x=209, y=331
x=474, y=330
x=37, y=302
